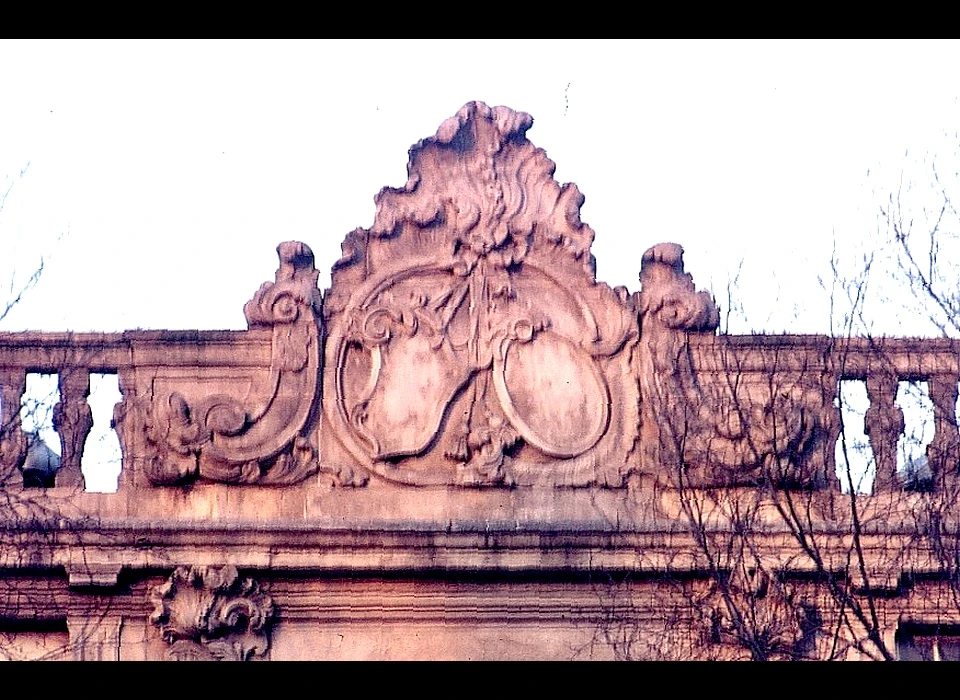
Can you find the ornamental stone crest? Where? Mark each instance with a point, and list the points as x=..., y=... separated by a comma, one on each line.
x=465, y=341
x=211, y=614
x=468, y=339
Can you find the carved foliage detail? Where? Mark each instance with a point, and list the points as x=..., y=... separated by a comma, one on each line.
x=719, y=428
x=669, y=298
x=207, y=613
x=260, y=438
x=470, y=341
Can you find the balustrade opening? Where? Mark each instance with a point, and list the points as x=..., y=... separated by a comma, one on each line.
x=41, y=395
x=856, y=468
x=64, y=424
x=887, y=429
x=913, y=468
x=101, y=455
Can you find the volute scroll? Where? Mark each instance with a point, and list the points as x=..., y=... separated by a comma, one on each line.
x=261, y=435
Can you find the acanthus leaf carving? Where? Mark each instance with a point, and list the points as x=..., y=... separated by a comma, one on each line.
x=469, y=339
x=669, y=296
x=210, y=613
x=262, y=437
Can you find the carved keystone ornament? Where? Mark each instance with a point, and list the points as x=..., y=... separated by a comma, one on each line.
x=208, y=614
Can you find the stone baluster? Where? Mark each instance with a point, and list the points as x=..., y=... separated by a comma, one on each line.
x=125, y=422
x=13, y=443
x=831, y=426
x=943, y=452
x=73, y=419
x=883, y=424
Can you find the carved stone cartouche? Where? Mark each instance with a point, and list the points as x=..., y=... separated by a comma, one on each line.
x=469, y=341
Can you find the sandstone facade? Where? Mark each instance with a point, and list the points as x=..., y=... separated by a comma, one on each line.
x=470, y=448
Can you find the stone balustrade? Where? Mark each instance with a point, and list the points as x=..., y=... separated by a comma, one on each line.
x=749, y=373
x=788, y=363
x=73, y=357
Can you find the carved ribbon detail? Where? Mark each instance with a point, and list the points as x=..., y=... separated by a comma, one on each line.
x=259, y=438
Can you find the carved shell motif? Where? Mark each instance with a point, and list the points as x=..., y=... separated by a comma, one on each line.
x=207, y=613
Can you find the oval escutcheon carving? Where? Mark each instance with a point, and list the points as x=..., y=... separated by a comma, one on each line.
x=553, y=393
x=412, y=383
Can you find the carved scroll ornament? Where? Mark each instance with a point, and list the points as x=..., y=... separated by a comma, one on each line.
x=723, y=428
x=756, y=615
x=262, y=437
x=211, y=614
x=469, y=342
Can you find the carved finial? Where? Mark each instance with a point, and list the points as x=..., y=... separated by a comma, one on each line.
x=669, y=295
x=296, y=285
x=509, y=124
x=295, y=257
x=670, y=254
x=484, y=191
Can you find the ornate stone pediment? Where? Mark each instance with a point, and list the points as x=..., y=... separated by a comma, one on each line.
x=468, y=339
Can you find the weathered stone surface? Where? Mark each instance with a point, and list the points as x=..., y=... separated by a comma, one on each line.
x=73, y=419
x=708, y=419
x=195, y=427
x=469, y=342
x=641, y=486
x=208, y=614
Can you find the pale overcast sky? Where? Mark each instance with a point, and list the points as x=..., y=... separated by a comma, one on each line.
x=159, y=176
x=162, y=174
